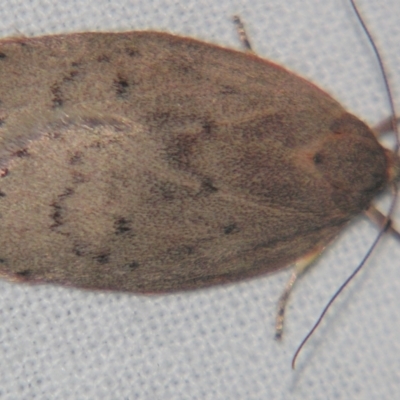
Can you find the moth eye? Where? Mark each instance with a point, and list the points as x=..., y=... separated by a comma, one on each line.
x=317, y=158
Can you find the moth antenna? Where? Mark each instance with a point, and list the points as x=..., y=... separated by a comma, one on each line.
x=383, y=71
x=337, y=293
x=387, y=221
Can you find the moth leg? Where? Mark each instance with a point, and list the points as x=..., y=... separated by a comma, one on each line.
x=378, y=218
x=301, y=265
x=242, y=34
x=385, y=126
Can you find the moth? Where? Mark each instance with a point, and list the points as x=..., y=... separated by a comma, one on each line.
x=152, y=163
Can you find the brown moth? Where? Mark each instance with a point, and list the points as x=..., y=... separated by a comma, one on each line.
x=148, y=162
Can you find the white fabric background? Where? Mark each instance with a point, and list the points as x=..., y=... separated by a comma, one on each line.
x=58, y=343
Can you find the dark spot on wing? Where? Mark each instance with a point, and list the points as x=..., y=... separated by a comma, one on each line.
x=226, y=89
x=179, y=252
x=207, y=187
x=230, y=229
x=21, y=153
x=72, y=75
x=57, y=99
x=56, y=89
x=179, y=149
x=103, y=58
x=76, y=158
x=57, y=215
x=132, y=265
x=159, y=118
x=121, y=226
x=185, y=68
x=318, y=158
x=166, y=191
x=25, y=273
x=102, y=258
x=121, y=86
x=79, y=249
x=78, y=178
x=132, y=52
x=207, y=127
x=58, y=210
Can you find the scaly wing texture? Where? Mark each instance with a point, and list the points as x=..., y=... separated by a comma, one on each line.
x=152, y=163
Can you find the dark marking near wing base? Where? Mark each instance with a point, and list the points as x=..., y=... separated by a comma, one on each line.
x=103, y=58
x=231, y=228
x=207, y=187
x=318, y=158
x=79, y=249
x=121, y=86
x=76, y=159
x=22, y=153
x=57, y=99
x=132, y=265
x=103, y=258
x=121, y=226
x=26, y=273
x=132, y=52
x=58, y=211
x=57, y=215
x=56, y=90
